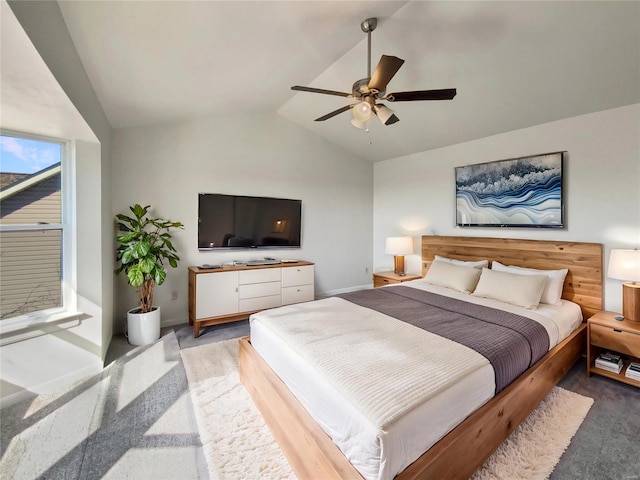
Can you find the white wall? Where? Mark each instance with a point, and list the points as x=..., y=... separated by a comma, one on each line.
x=257, y=155
x=415, y=195
x=64, y=352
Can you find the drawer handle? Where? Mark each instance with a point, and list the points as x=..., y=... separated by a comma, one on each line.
x=617, y=331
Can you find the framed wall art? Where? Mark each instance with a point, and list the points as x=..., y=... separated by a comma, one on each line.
x=518, y=192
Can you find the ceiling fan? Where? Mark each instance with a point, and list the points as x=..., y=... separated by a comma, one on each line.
x=369, y=91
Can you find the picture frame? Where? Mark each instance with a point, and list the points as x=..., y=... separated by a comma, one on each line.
x=516, y=192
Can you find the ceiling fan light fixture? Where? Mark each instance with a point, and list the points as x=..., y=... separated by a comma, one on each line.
x=374, y=87
x=361, y=124
x=385, y=114
x=362, y=111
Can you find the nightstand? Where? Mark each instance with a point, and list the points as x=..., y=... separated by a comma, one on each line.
x=605, y=333
x=381, y=279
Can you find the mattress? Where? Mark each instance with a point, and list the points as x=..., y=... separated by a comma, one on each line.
x=381, y=453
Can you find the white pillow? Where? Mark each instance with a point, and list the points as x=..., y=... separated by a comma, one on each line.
x=522, y=290
x=456, y=277
x=555, y=280
x=462, y=263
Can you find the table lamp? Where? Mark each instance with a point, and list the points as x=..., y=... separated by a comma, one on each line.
x=399, y=247
x=625, y=265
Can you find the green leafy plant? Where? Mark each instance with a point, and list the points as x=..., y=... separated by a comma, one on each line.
x=144, y=246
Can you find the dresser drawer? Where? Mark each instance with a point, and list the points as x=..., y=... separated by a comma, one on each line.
x=298, y=294
x=260, y=303
x=255, y=290
x=259, y=275
x=615, y=339
x=292, y=276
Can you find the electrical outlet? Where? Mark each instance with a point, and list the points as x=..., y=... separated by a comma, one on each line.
x=174, y=295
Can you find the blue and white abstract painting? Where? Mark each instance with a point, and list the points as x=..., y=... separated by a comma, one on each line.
x=520, y=192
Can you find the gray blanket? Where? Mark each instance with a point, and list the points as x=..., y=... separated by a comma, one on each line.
x=512, y=343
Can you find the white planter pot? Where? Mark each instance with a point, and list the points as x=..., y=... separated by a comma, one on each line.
x=143, y=328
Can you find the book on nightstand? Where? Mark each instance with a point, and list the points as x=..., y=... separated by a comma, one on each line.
x=610, y=362
x=610, y=357
x=633, y=371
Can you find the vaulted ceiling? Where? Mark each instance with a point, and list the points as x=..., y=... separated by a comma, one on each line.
x=514, y=64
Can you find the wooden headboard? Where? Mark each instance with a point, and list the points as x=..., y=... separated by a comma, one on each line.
x=583, y=284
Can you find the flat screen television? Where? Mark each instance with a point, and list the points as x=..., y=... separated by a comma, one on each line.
x=236, y=221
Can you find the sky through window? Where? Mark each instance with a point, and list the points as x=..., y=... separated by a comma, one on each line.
x=21, y=155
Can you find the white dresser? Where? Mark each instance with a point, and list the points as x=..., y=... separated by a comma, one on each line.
x=233, y=293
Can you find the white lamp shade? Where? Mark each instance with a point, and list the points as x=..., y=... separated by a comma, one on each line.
x=385, y=114
x=624, y=265
x=399, y=246
x=359, y=124
x=362, y=111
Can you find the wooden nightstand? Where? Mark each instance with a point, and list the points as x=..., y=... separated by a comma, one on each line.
x=605, y=333
x=381, y=279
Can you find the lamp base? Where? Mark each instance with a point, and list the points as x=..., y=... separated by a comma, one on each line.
x=631, y=301
x=398, y=265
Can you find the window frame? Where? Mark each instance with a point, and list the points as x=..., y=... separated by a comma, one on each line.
x=68, y=310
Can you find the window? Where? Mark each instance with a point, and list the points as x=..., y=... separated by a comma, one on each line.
x=35, y=249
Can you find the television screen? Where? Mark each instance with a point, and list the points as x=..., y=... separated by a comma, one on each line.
x=235, y=221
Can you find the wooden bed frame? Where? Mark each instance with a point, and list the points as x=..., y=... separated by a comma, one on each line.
x=313, y=455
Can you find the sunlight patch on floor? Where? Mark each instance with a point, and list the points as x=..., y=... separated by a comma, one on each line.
x=152, y=463
x=41, y=445
x=142, y=371
x=44, y=400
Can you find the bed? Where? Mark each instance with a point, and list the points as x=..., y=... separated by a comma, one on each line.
x=450, y=451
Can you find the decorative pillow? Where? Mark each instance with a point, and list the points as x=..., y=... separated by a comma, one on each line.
x=456, y=277
x=555, y=280
x=462, y=263
x=522, y=290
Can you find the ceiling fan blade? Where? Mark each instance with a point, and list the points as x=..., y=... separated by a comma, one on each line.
x=387, y=67
x=334, y=113
x=320, y=90
x=444, y=94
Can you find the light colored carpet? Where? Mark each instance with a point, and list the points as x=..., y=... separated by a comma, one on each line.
x=132, y=421
x=238, y=444
x=534, y=448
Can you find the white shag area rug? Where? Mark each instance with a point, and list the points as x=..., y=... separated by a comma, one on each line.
x=238, y=445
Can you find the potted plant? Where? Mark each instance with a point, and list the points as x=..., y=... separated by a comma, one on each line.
x=144, y=244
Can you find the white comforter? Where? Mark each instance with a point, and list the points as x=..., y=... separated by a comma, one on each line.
x=379, y=452
x=399, y=372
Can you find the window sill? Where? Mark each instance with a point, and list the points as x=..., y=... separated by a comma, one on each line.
x=37, y=324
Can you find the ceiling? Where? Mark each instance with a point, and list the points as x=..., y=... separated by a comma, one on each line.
x=31, y=100
x=514, y=64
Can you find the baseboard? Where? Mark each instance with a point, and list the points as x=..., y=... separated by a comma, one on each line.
x=172, y=322
x=331, y=293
